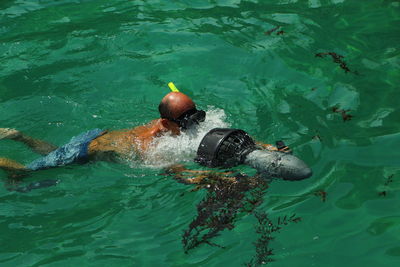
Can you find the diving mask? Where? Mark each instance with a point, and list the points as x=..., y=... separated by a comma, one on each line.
x=190, y=118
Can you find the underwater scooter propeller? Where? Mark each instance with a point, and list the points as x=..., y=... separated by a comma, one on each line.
x=224, y=147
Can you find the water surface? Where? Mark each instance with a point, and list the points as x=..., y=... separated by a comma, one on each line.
x=69, y=66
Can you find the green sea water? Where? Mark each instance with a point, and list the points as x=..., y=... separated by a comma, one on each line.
x=71, y=65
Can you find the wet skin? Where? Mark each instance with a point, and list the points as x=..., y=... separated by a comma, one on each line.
x=109, y=146
x=125, y=142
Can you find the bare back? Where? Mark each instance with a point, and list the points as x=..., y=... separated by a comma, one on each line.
x=124, y=143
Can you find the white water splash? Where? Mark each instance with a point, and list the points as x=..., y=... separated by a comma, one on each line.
x=167, y=150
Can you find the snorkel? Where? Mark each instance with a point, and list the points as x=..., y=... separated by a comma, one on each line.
x=190, y=117
x=173, y=88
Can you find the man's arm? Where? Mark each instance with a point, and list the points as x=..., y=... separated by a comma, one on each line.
x=280, y=146
x=186, y=176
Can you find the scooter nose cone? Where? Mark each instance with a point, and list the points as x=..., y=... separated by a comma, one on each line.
x=304, y=173
x=278, y=164
x=294, y=168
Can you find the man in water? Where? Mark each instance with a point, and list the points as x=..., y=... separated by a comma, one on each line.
x=177, y=112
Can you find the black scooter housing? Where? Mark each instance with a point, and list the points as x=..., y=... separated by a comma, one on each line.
x=224, y=147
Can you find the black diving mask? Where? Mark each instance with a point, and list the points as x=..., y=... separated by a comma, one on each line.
x=190, y=118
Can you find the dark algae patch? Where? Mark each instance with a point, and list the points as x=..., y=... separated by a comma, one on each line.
x=265, y=230
x=338, y=59
x=275, y=30
x=269, y=32
x=229, y=195
x=344, y=113
x=388, y=181
x=226, y=197
x=322, y=194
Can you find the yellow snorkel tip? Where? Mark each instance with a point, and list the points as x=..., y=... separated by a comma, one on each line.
x=172, y=86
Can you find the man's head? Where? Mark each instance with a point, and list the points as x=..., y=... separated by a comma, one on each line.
x=181, y=109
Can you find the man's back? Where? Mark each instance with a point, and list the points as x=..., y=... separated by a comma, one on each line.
x=124, y=143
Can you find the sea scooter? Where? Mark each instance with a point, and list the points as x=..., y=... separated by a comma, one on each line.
x=225, y=147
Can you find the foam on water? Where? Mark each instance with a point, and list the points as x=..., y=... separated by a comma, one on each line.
x=167, y=150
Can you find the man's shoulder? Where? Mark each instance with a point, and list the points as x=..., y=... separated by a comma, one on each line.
x=134, y=130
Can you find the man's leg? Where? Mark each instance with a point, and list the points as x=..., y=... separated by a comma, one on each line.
x=11, y=165
x=16, y=172
x=36, y=145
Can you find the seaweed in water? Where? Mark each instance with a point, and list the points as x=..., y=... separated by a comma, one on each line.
x=269, y=32
x=382, y=193
x=226, y=197
x=322, y=194
x=388, y=181
x=337, y=59
x=265, y=229
x=229, y=194
x=345, y=116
